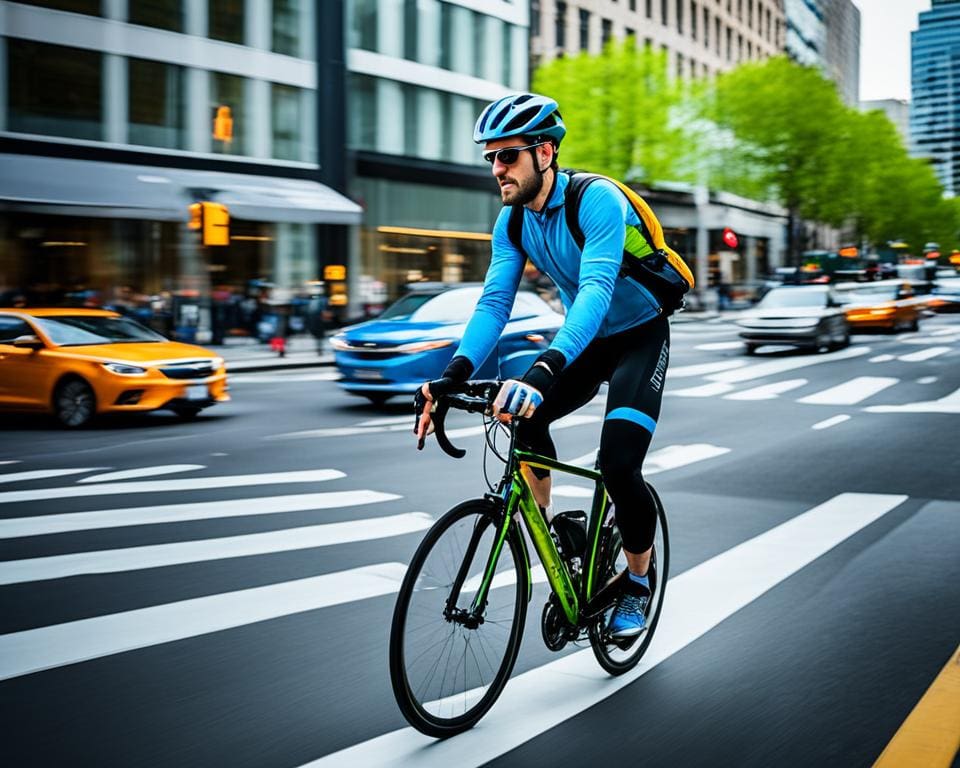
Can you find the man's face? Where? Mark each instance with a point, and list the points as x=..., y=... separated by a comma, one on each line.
x=521, y=181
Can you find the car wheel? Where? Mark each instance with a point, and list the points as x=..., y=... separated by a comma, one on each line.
x=187, y=412
x=74, y=403
x=750, y=349
x=914, y=325
x=823, y=341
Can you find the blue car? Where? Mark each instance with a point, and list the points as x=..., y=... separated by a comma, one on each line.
x=414, y=339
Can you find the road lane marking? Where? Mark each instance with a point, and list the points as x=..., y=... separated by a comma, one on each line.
x=927, y=380
x=704, y=390
x=165, y=486
x=943, y=332
x=772, y=367
x=930, y=736
x=130, y=474
x=668, y=457
x=948, y=404
x=695, y=602
x=40, y=525
x=717, y=346
x=931, y=340
x=925, y=354
x=293, y=378
x=850, y=392
x=882, y=359
x=686, y=371
x=34, y=650
x=767, y=391
x=10, y=461
x=43, y=474
x=831, y=422
x=206, y=550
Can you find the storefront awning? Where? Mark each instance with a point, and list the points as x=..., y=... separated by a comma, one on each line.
x=117, y=191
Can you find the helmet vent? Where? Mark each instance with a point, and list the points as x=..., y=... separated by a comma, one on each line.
x=523, y=99
x=500, y=115
x=521, y=118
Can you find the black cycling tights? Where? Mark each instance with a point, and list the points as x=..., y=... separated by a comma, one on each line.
x=635, y=364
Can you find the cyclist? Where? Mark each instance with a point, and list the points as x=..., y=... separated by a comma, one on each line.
x=614, y=329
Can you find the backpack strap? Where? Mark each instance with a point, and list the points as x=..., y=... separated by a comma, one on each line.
x=515, y=229
x=573, y=196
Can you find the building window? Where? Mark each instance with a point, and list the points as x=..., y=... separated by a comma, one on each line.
x=225, y=20
x=53, y=90
x=561, y=26
x=680, y=65
x=649, y=8
x=227, y=91
x=664, y=5
x=633, y=5
x=750, y=14
x=88, y=7
x=535, y=18
x=628, y=32
x=155, y=110
x=287, y=22
x=607, y=31
x=739, y=47
x=584, y=29
x=479, y=25
x=648, y=43
x=716, y=20
x=729, y=44
x=163, y=14
x=706, y=28
x=680, y=4
x=289, y=119
x=363, y=24
x=446, y=33
x=693, y=20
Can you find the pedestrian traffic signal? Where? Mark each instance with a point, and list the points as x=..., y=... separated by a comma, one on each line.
x=223, y=125
x=213, y=221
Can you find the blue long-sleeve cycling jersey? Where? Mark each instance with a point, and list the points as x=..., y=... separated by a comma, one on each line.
x=598, y=302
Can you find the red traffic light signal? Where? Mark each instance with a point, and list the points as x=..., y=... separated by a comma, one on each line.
x=730, y=238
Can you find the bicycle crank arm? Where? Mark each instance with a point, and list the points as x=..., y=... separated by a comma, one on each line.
x=605, y=597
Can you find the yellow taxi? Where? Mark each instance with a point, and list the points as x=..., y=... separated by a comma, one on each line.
x=887, y=304
x=77, y=363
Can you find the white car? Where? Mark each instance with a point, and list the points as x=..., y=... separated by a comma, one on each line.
x=807, y=316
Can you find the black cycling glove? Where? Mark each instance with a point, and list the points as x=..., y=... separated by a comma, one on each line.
x=545, y=370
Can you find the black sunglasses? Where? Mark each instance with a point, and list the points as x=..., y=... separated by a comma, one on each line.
x=508, y=155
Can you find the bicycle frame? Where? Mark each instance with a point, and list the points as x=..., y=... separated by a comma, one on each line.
x=517, y=496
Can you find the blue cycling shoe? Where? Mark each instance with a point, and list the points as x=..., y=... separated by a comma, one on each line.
x=629, y=618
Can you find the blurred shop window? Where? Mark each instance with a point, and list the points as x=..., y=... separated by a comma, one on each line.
x=410, y=119
x=363, y=24
x=89, y=7
x=410, y=29
x=228, y=91
x=162, y=14
x=225, y=20
x=288, y=38
x=55, y=91
x=362, y=112
x=292, y=119
x=156, y=108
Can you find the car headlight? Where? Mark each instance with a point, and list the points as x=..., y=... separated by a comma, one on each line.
x=423, y=346
x=217, y=363
x=124, y=369
x=339, y=342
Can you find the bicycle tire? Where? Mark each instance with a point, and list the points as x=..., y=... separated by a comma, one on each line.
x=614, y=659
x=421, y=703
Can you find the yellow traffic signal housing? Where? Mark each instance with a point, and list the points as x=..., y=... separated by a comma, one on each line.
x=223, y=125
x=213, y=221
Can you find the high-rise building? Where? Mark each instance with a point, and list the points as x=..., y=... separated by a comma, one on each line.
x=897, y=110
x=700, y=37
x=420, y=72
x=935, y=103
x=117, y=115
x=806, y=38
x=841, y=59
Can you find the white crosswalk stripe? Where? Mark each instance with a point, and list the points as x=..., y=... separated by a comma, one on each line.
x=130, y=474
x=850, y=392
x=43, y=474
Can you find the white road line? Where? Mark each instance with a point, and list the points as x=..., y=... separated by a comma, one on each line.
x=832, y=422
x=10, y=461
x=786, y=364
x=925, y=354
x=943, y=332
x=927, y=380
x=696, y=601
x=702, y=369
x=206, y=550
x=344, y=431
x=405, y=419
x=704, y=390
x=163, y=486
x=948, y=404
x=292, y=378
x=34, y=650
x=41, y=525
x=573, y=420
x=882, y=359
x=850, y=392
x=130, y=474
x=674, y=456
x=930, y=339
x=767, y=391
x=42, y=474
x=720, y=345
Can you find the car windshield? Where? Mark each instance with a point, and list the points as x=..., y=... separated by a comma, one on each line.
x=949, y=285
x=456, y=306
x=794, y=297
x=80, y=330
x=869, y=293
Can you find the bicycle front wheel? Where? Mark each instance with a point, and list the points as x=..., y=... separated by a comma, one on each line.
x=447, y=666
x=617, y=656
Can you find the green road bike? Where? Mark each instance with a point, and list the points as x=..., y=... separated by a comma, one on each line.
x=462, y=606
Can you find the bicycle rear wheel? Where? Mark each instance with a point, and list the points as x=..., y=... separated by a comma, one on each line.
x=446, y=670
x=617, y=657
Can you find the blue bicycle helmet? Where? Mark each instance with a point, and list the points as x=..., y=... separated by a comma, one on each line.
x=520, y=114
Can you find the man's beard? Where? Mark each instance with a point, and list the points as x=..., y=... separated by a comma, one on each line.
x=524, y=192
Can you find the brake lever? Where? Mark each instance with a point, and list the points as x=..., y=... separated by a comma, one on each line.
x=418, y=402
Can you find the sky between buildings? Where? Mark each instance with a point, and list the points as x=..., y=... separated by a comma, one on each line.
x=885, y=27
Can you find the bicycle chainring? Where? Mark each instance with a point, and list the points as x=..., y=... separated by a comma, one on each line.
x=554, y=625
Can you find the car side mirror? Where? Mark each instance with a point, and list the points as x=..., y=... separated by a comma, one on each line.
x=28, y=342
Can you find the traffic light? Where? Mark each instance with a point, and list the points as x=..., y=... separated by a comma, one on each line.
x=213, y=221
x=223, y=125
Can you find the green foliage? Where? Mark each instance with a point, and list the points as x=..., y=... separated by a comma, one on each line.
x=770, y=130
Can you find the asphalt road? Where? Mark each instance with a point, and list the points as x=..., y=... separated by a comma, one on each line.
x=204, y=610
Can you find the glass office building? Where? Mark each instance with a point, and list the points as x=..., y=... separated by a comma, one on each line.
x=935, y=103
x=420, y=72
x=116, y=115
